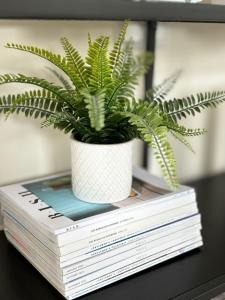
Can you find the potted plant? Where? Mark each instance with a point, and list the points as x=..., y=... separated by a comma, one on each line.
x=97, y=105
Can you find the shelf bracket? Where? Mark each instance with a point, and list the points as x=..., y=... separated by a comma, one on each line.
x=150, y=46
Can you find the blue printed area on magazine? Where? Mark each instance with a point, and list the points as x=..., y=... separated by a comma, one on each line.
x=58, y=194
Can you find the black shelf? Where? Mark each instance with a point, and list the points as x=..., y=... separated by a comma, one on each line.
x=111, y=10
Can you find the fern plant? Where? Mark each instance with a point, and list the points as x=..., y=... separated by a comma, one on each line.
x=96, y=102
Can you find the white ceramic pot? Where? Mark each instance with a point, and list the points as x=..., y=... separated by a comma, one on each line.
x=101, y=173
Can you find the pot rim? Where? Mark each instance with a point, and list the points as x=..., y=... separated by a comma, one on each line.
x=73, y=139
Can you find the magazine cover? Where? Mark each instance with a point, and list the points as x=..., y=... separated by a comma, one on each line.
x=57, y=193
x=52, y=202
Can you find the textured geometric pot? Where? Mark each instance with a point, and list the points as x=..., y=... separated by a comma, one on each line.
x=101, y=173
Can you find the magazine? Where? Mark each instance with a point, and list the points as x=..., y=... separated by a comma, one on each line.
x=159, y=258
x=49, y=203
x=84, y=262
x=80, y=247
x=109, y=237
x=113, y=276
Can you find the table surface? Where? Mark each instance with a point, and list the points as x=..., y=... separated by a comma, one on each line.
x=180, y=278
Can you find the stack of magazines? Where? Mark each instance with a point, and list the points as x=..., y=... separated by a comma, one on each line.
x=80, y=247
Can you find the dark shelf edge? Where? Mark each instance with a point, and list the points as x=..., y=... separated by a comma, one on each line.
x=111, y=10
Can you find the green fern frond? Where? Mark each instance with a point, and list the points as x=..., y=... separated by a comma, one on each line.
x=67, y=122
x=171, y=125
x=159, y=92
x=124, y=105
x=75, y=62
x=54, y=119
x=125, y=62
x=95, y=106
x=62, y=79
x=181, y=108
x=61, y=94
x=189, y=131
x=147, y=119
x=141, y=66
x=38, y=103
x=58, y=121
x=125, y=78
x=55, y=59
x=98, y=70
x=183, y=140
x=119, y=90
x=165, y=156
x=89, y=39
x=115, y=54
x=130, y=67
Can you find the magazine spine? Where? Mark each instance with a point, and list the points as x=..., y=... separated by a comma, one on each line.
x=131, y=216
x=155, y=246
x=24, y=222
x=27, y=215
x=89, y=231
x=45, y=273
x=81, y=261
x=176, y=252
x=127, y=245
x=121, y=266
x=27, y=240
x=128, y=231
x=178, y=248
x=150, y=246
x=100, y=241
x=45, y=257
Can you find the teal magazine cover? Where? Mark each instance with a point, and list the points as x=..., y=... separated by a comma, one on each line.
x=57, y=193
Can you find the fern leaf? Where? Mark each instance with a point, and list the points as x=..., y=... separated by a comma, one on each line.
x=75, y=62
x=181, y=108
x=62, y=79
x=98, y=70
x=119, y=90
x=126, y=75
x=89, y=39
x=160, y=91
x=125, y=62
x=61, y=94
x=38, y=103
x=141, y=66
x=95, y=105
x=165, y=156
x=65, y=121
x=148, y=121
x=171, y=125
x=58, y=121
x=55, y=59
x=115, y=54
x=182, y=139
